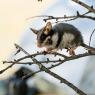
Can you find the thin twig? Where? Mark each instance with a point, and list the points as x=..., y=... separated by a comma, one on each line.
x=30, y=63
x=91, y=36
x=90, y=8
x=2, y=71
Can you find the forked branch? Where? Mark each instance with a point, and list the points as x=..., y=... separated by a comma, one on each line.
x=63, y=59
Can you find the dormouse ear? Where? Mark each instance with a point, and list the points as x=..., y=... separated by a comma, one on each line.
x=48, y=27
x=34, y=30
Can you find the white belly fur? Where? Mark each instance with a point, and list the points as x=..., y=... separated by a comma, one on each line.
x=66, y=40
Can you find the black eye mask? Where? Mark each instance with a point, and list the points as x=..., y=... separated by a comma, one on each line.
x=44, y=36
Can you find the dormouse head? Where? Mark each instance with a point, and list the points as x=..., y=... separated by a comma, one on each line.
x=44, y=35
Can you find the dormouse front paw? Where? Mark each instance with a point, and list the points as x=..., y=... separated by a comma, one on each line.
x=71, y=51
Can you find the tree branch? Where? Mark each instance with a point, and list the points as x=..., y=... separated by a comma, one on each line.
x=62, y=80
x=48, y=61
x=2, y=71
x=65, y=17
x=43, y=68
x=69, y=18
x=90, y=8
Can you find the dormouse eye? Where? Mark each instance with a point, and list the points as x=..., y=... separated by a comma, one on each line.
x=43, y=36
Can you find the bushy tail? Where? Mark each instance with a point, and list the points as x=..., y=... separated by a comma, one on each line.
x=88, y=47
